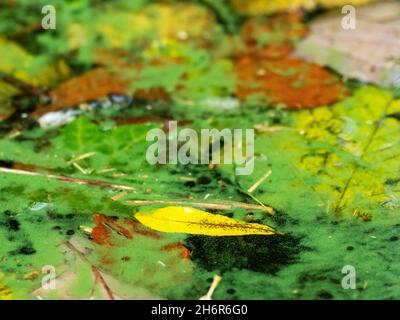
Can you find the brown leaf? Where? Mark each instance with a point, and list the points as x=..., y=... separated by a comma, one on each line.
x=267, y=70
x=128, y=251
x=290, y=81
x=99, y=285
x=102, y=233
x=93, y=85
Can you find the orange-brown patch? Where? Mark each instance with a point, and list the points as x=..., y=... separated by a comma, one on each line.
x=289, y=81
x=93, y=85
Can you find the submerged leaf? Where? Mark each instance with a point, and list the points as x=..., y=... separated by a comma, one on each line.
x=126, y=250
x=193, y=221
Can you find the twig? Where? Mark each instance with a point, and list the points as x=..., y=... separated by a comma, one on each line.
x=261, y=180
x=216, y=281
x=79, y=168
x=223, y=205
x=82, y=156
x=68, y=179
x=74, y=161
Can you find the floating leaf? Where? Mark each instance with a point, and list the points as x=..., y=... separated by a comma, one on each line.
x=369, y=53
x=92, y=85
x=5, y=292
x=193, y=221
x=128, y=251
x=288, y=81
x=78, y=278
x=266, y=69
x=271, y=6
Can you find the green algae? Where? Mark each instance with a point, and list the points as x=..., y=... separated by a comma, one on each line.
x=335, y=182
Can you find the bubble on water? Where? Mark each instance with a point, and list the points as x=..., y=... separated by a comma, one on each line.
x=38, y=206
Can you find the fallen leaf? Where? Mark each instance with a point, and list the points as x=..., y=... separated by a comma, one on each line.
x=93, y=85
x=288, y=81
x=266, y=70
x=369, y=53
x=5, y=292
x=127, y=250
x=193, y=221
x=271, y=6
x=77, y=278
x=102, y=233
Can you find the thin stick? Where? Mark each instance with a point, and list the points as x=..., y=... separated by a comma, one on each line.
x=221, y=205
x=261, y=180
x=79, y=168
x=217, y=279
x=82, y=156
x=68, y=179
x=217, y=206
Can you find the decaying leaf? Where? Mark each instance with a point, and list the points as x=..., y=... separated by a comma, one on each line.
x=93, y=85
x=370, y=53
x=128, y=251
x=193, y=221
x=266, y=69
x=78, y=278
x=289, y=81
x=102, y=233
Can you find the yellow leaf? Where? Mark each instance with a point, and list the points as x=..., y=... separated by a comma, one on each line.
x=5, y=292
x=193, y=221
x=178, y=21
x=271, y=6
x=18, y=62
